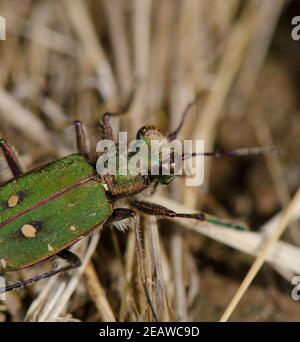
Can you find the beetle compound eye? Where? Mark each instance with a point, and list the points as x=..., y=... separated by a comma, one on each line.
x=142, y=132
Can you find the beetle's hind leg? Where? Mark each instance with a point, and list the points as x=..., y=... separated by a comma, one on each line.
x=71, y=258
x=120, y=214
x=161, y=211
x=11, y=158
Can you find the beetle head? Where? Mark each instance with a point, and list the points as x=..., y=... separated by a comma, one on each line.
x=152, y=134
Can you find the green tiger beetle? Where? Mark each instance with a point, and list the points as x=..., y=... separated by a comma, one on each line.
x=45, y=211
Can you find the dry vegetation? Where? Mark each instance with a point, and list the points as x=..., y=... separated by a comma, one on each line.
x=75, y=59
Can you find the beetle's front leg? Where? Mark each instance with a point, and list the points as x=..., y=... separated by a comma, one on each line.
x=82, y=139
x=71, y=258
x=159, y=210
x=11, y=158
x=121, y=214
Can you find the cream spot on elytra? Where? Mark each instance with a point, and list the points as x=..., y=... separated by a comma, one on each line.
x=3, y=263
x=13, y=201
x=29, y=231
x=72, y=228
x=50, y=248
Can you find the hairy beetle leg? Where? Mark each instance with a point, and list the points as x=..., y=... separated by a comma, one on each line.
x=120, y=214
x=11, y=158
x=71, y=258
x=159, y=210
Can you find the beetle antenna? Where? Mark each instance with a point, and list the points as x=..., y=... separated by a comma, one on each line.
x=247, y=151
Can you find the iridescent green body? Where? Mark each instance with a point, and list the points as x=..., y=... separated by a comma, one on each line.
x=49, y=209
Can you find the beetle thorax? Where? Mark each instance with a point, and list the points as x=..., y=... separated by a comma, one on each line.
x=127, y=185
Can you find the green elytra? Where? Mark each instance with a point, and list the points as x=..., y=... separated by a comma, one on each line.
x=60, y=203
x=45, y=211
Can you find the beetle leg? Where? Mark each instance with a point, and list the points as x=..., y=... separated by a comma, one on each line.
x=159, y=210
x=106, y=129
x=70, y=257
x=73, y=262
x=105, y=125
x=83, y=143
x=120, y=214
x=11, y=159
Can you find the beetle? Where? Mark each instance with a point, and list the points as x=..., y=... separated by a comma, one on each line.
x=45, y=211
